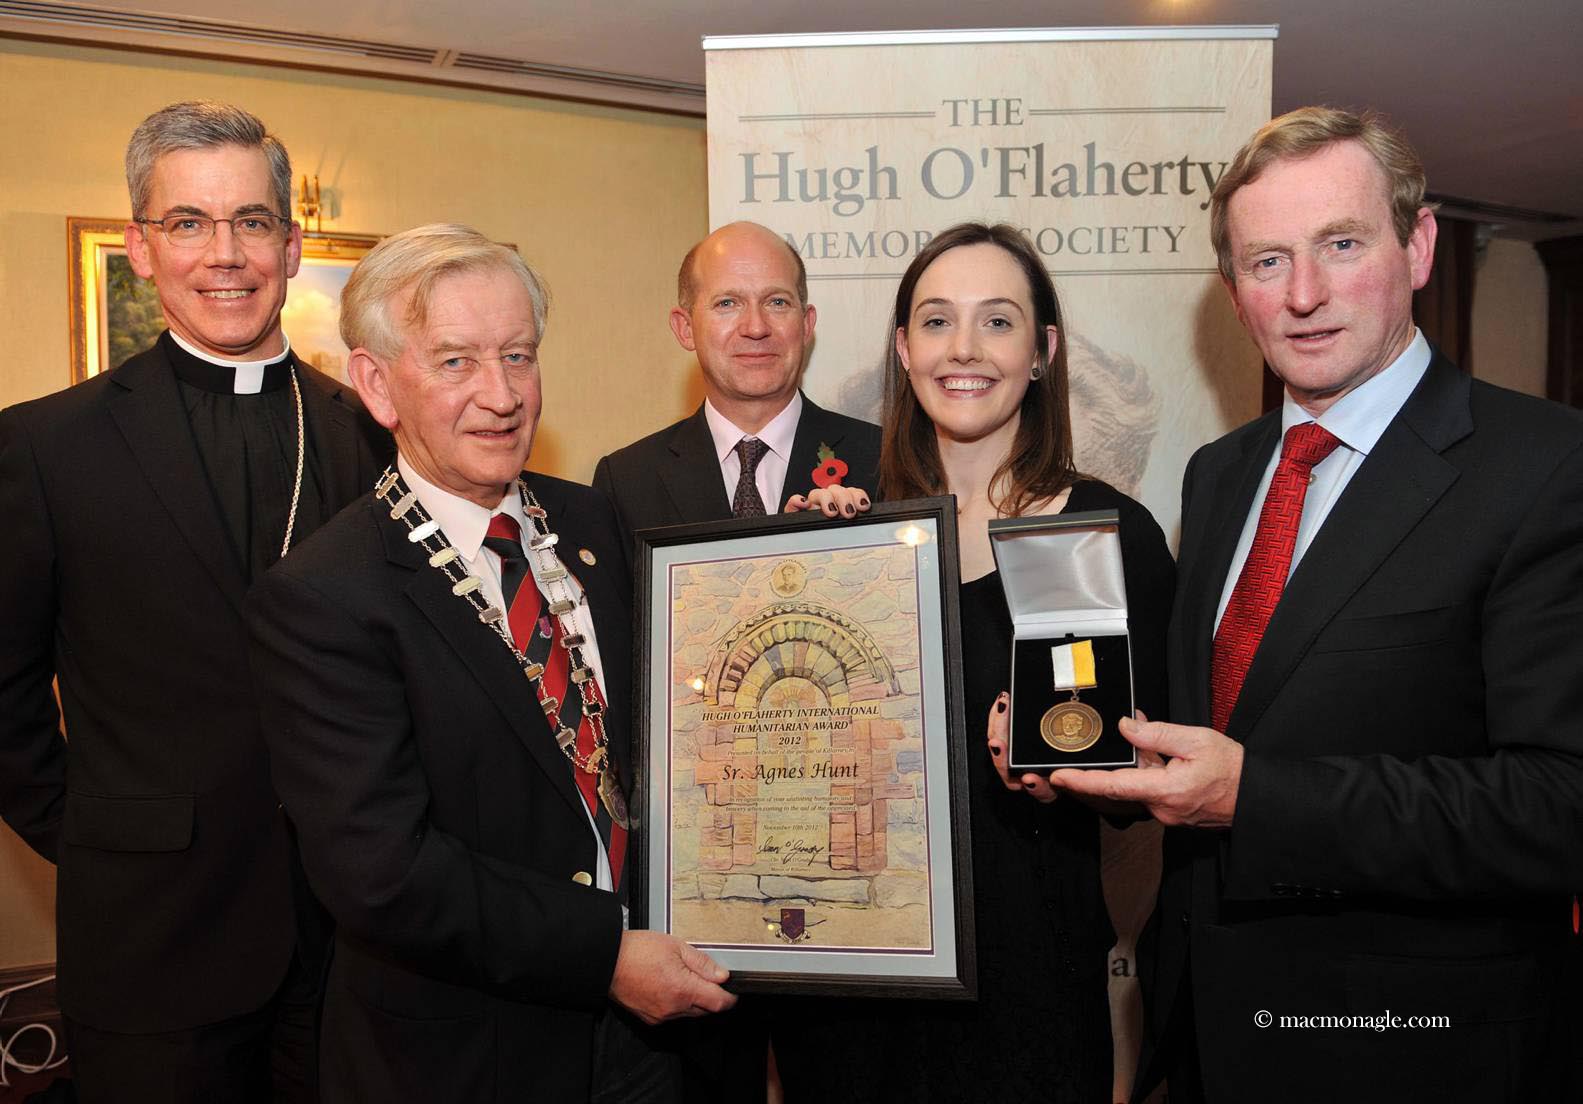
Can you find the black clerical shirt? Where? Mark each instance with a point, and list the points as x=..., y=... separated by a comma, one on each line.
x=248, y=444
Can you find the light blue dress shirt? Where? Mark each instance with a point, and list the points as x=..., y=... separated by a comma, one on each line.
x=1357, y=420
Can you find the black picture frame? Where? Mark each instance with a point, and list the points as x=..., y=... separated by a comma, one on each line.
x=901, y=703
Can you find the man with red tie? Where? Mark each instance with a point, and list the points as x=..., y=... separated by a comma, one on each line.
x=445, y=674
x=1375, y=788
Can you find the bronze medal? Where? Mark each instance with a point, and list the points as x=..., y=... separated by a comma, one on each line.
x=1071, y=726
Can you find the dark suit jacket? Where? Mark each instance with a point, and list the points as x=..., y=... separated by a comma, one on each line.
x=116, y=575
x=673, y=477
x=438, y=821
x=1408, y=827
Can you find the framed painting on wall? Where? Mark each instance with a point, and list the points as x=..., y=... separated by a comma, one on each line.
x=115, y=313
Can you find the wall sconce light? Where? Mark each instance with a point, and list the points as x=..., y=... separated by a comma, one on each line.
x=311, y=205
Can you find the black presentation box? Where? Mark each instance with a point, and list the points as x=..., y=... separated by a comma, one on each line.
x=1064, y=585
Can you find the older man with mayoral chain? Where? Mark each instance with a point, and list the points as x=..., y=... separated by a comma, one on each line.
x=446, y=673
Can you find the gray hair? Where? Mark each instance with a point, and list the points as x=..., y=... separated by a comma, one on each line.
x=202, y=124
x=418, y=259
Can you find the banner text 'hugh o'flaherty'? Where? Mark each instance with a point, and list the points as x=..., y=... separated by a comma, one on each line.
x=1004, y=172
x=1103, y=145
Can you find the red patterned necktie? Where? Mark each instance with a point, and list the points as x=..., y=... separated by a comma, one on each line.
x=1269, y=562
x=538, y=635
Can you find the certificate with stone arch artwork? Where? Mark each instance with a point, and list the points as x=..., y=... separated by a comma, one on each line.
x=800, y=771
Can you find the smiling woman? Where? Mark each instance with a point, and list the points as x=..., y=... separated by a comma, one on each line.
x=970, y=351
x=976, y=406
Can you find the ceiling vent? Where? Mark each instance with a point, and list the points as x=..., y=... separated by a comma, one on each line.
x=517, y=67
x=273, y=46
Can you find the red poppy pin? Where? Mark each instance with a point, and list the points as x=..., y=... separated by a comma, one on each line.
x=831, y=470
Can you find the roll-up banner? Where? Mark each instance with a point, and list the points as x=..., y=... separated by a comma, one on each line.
x=1103, y=144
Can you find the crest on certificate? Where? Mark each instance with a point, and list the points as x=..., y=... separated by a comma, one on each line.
x=788, y=578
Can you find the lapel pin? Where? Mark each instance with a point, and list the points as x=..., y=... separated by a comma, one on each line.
x=587, y=557
x=831, y=469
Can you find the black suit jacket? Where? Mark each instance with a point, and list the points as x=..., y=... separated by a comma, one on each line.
x=439, y=822
x=116, y=575
x=673, y=477
x=1408, y=827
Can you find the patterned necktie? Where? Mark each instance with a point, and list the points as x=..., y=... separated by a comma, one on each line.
x=1269, y=562
x=538, y=635
x=747, y=502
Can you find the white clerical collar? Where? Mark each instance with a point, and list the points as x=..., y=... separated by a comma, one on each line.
x=249, y=373
x=778, y=433
x=1359, y=417
x=464, y=522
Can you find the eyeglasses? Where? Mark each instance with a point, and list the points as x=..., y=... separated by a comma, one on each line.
x=191, y=231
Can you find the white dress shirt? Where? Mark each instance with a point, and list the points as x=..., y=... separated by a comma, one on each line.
x=465, y=525
x=1357, y=420
x=778, y=435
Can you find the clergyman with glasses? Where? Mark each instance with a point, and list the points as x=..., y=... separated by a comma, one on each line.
x=139, y=506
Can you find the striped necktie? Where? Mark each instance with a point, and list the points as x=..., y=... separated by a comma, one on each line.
x=538, y=635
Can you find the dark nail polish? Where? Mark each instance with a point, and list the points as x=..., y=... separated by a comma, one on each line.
x=1000, y=706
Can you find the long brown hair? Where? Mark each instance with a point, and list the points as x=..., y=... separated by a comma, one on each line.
x=1040, y=463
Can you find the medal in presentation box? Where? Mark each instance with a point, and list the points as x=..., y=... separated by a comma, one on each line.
x=1071, y=658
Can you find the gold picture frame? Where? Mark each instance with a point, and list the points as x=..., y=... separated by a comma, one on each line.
x=114, y=313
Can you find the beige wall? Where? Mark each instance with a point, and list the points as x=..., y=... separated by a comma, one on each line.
x=27, y=904
x=1511, y=317
x=602, y=201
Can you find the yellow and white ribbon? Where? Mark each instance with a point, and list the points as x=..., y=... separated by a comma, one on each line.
x=1074, y=665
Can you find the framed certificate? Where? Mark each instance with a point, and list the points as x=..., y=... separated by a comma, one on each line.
x=801, y=781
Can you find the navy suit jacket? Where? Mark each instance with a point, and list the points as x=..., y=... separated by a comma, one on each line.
x=1409, y=826
x=439, y=822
